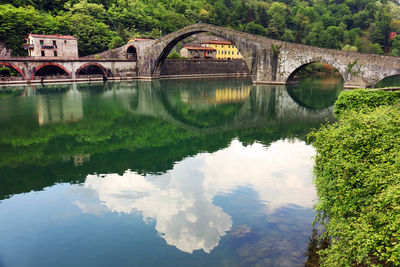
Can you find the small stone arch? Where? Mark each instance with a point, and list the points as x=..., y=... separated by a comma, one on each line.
x=49, y=64
x=381, y=79
x=105, y=71
x=131, y=52
x=14, y=67
x=292, y=71
x=173, y=39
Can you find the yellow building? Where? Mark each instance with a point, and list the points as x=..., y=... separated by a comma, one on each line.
x=225, y=49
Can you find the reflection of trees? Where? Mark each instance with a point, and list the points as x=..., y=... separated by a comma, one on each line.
x=308, y=93
x=315, y=244
x=120, y=132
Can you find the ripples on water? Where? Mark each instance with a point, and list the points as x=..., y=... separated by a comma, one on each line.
x=170, y=173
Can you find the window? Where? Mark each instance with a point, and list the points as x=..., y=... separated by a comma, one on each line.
x=65, y=41
x=55, y=53
x=41, y=42
x=54, y=43
x=238, y=52
x=42, y=52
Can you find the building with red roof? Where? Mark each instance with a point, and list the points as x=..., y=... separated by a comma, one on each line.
x=198, y=52
x=224, y=49
x=53, y=46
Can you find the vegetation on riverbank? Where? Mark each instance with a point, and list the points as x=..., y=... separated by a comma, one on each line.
x=362, y=25
x=358, y=180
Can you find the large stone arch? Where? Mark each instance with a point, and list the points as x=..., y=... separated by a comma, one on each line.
x=14, y=67
x=306, y=61
x=49, y=64
x=154, y=54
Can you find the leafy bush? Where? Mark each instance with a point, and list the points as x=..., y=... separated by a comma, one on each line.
x=357, y=178
x=174, y=55
x=364, y=100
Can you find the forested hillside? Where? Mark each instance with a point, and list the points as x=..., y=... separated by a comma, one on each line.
x=356, y=25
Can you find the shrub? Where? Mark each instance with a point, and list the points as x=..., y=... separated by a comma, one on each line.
x=357, y=178
x=364, y=100
x=174, y=55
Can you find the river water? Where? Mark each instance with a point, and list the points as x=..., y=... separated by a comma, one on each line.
x=163, y=173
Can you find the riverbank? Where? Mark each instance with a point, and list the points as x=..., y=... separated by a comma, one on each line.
x=357, y=179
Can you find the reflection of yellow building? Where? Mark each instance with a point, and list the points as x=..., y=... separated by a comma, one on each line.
x=231, y=96
x=218, y=96
x=225, y=49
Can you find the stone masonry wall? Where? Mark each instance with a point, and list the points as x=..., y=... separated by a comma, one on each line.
x=205, y=66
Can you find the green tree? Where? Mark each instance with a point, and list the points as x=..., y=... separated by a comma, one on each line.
x=16, y=23
x=315, y=36
x=288, y=36
x=255, y=28
x=93, y=37
x=332, y=37
x=277, y=22
x=395, y=47
x=116, y=42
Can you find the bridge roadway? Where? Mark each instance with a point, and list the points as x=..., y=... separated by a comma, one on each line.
x=268, y=60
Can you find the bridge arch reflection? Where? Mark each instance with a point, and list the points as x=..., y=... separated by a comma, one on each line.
x=204, y=107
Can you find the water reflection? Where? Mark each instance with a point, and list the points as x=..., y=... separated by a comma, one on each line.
x=120, y=126
x=54, y=110
x=218, y=170
x=316, y=93
x=181, y=201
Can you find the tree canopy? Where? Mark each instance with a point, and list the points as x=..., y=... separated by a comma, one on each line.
x=100, y=24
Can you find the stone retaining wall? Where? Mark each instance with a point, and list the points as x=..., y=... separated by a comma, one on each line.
x=185, y=67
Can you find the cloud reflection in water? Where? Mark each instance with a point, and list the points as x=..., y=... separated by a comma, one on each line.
x=181, y=201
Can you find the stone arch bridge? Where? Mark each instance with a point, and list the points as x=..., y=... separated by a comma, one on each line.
x=272, y=61
x=268, y=60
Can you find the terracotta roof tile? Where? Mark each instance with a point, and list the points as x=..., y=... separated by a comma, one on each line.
x=200, y=48
x=217, y=42
x=53, y=36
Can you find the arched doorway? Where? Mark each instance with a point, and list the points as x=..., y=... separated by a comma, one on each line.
x=51, y=71
x=131, y=53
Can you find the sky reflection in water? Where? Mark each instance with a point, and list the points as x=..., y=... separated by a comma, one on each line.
x=181, y=201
